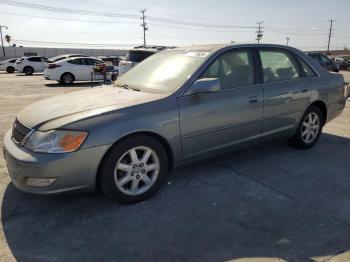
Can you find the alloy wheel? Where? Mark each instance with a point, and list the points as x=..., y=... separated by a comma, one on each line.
x=310, y=128
x=136, y=170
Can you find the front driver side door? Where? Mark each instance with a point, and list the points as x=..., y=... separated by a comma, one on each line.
x=232, y=117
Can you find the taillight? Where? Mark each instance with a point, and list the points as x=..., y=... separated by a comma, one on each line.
x=52, y=66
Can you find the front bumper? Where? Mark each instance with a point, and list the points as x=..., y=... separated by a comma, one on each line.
x=70, y=171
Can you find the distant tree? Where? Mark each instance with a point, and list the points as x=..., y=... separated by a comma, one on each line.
x=346, y=48
x=8, y=39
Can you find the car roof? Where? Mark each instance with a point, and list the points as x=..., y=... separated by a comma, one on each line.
x=216, y=47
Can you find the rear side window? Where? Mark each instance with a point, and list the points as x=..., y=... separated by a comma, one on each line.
x=278, y=66
x=13, y=61
x=307, y=71
x=233, y=69
x=75, y=61
x=34, y=59
x=137, y=56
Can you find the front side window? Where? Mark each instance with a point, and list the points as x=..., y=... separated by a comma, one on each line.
x=233, y=69
x=325, y=60
x=278, y=66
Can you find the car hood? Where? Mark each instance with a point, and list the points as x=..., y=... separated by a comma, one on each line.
x=81, y=104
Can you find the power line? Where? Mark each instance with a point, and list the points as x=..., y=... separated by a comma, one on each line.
x=330, y=33
x=114, y=15
x=66, y=10
x=70, y=19
x=144, y=26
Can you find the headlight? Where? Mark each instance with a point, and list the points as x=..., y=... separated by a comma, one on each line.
x=55, y=141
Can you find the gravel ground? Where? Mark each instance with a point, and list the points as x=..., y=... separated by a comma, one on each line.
x=267, y=203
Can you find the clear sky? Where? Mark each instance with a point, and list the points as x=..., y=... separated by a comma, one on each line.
x=176, y=22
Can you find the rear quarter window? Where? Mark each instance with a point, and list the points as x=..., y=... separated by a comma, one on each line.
x=307, y=71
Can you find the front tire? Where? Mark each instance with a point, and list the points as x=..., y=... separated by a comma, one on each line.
x=309, y=129
x=10, y=69
x=28, y=70
x=67, y=79
x=134, y=169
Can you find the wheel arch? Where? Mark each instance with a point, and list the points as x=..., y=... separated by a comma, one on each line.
x=10, y=66
x=322, y=106
x=28, y=66
x=154, y=135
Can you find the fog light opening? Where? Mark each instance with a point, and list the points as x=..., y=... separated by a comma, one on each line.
x=40, y=182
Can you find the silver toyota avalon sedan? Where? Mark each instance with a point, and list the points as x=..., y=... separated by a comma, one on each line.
x=175, y=107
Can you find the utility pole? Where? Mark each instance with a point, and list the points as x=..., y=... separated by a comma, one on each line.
x=330, y=33
x=144, y=26
x=259, y=33
x=287, y=38
x=2, y=41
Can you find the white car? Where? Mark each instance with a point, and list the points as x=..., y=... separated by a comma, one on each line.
x=61, y=57
x=72, y=69
x=31, y=64
x=8, y=65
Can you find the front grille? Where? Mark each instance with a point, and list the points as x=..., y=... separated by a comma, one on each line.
x=19, y=131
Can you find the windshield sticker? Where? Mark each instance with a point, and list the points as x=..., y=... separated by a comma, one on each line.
x=197, y=54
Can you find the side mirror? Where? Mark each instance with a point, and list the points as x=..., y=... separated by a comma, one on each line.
x=205, y=85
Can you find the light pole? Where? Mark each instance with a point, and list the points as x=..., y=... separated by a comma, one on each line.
x=287, y=38
x=2, y=41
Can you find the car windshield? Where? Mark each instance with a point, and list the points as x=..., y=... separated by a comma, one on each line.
x=163, y=72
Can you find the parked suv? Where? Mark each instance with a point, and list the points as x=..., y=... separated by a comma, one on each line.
x=325, y=61
x=8, y=65
x=137, y=55
x=31, y=64
x=175, y=107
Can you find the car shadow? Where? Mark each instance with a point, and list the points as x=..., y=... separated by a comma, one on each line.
x=75, y=84
x=23, y=74
x=269, y=201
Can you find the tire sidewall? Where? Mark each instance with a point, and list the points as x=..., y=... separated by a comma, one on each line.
x=298, y=136
x=10, y=69
x=107, y=182
x=63, y=79
x=28, y=70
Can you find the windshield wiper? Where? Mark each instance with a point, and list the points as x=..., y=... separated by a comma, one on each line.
x=128, y=87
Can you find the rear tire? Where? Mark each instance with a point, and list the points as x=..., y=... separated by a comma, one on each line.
x=67, y=79
x=309, y=129
x=134, y=169
x=10, y=69
x=28, y=70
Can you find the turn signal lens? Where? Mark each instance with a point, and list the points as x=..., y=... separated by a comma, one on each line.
x=71, y=142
